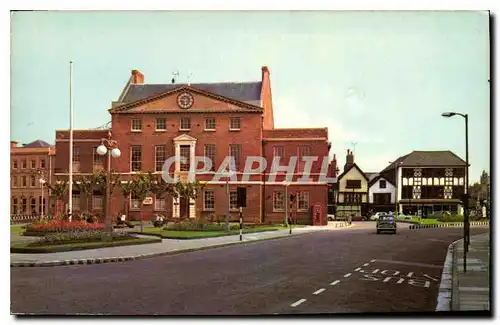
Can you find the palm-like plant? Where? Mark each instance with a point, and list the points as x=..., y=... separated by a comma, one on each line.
x=59, y=190
x=84, y=184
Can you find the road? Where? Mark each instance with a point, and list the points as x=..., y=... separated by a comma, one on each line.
x=341, y=271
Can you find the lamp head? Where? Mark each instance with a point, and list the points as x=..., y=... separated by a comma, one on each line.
x=448, y=114
x=102, y=150
x=42, y=181
x=115, y=153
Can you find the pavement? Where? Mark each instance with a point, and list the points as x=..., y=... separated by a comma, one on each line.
x=471, y=289
x=166, y=247
x=350, y=270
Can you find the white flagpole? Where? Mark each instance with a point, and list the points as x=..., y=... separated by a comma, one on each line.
x=70, y=143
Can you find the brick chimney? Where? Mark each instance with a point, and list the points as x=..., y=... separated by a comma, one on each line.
x=13, y=144
x=349, y=160
x=266, y=99
x=137, y=77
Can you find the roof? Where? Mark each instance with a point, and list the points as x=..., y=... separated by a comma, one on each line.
x=242, y=91
x=428, y=159
x=37, y=144
x=348, y=169
x=377, y=178
x=371, y=175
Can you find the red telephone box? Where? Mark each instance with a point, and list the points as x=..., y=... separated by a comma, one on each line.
x=318, y=219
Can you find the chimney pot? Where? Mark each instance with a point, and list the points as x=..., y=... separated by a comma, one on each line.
x=13, y=144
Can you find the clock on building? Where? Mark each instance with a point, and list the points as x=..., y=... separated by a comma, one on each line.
x=185, y=100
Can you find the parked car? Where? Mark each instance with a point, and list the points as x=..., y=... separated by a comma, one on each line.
x=377, y=215
x=386, y=223
x=331, y=217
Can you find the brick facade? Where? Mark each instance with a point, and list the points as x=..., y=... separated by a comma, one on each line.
x=256, y=137
x=26, y=190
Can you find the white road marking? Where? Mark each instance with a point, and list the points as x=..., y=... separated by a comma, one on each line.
x=298, y=302
x=372, y=261
x=334, y=282
x=347, y=275
x=376, y=270
x=410, y=274
x=319, y=291
x=411, y=263
x=428, y=276
x=366, y=264
x=357, y=269
x=401, y=281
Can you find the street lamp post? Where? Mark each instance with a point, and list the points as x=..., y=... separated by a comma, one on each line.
x=110, y=148
x=229, y=174
x=286, y=184
x=42, y=182
x=466, y=196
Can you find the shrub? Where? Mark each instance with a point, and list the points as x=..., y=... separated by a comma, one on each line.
x=200, y=226
x=62, y=226
x=84, y=236
x=451, y=218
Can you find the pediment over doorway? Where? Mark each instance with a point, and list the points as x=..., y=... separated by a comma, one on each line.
x=184, y=138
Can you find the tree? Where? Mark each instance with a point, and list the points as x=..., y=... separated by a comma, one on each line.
x=187, y=190
x=99, y=179
x=160, y=188
x=84, y=184
x=127, y=189
x=59, y=190
x=141, y=185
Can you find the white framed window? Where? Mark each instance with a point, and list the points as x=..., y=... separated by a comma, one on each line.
x=14, y=164
x=76, y=202
x=23, y=181
x=42, y=162
x=33, y=164
x=135, y=158
x=185, y=124
x=160, y=204
x=14, y=181
x=24, y=205
x=97, y=201
x=235, y=151
x=33, y=205
x=233, y=200
x=14, y=206
x=33, y=181
x=208, y=200
x=235, y=124
x=210, y=124
x=24, y=164
x=279, y=151
x=135, y=203
x=97, y=161
x=210, y=154
x=161, y=124
x=160, y=157
x=278, y=201
x=303, y=201
x=76, y=159
x=136, y=125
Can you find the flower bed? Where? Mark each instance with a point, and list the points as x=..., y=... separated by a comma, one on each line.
x=200, y=226
x=41, y=228
x=72, y=237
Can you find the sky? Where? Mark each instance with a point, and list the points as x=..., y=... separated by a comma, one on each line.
x=378, y=80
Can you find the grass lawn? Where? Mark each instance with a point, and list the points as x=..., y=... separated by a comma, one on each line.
x=28, y=248
x=177, y=234
x=16, y=230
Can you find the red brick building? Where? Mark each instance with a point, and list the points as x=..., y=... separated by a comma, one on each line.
x=152, y=122
x=29, y=163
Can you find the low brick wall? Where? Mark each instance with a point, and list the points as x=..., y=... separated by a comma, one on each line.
x=450, y=224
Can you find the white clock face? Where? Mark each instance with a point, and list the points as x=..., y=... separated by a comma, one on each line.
x=185, y=100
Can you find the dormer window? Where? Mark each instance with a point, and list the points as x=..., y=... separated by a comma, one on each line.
x=382, y=183
x=136, y=125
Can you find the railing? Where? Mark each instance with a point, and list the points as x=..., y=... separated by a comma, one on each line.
x=15, y=219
